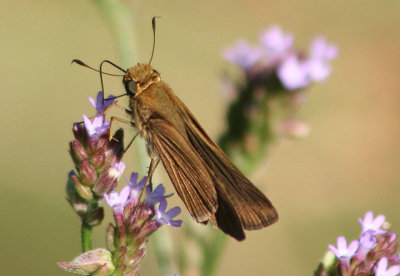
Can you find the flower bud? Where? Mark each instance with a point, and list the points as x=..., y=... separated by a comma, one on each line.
x=115, y=148
x=139, y=256
x=149, y=228
x=90, y=262
x=95, y=217
x=98, y=143
x=73, y=197
x=120, y=240
x=121, y=255
x=101, y=271
x=82, y=190
x=77, y=151
x=108, y=178
x=88, y=173
x=80, y=207
x=79, y=132
x=105, y=183
x=294, y=128
x=110, y=237
x=70, y=187
x=99, y=159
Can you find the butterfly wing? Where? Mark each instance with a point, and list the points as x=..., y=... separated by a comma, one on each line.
x=193, y=180
x=251, y=205
x=211, y=187
x=185, y=169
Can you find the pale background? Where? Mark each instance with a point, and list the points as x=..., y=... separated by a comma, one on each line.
x=320, y=185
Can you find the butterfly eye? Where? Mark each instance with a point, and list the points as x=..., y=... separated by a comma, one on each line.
x=131, y=87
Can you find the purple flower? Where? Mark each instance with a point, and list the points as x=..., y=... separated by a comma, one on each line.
x=276, y=43
x=381, y=269
x=276, y=56
x=107, y=180
x=117, y=170
x=320, y=54
x=318, y=70
x=342, y=251
x=99, y=104
x=293, y=73
x=320, y=49
x=369, y=224
x=97, y=127
x=157, y=195
x=118, y=201
x=136, y=187
x=367, y=242
x=167, y=217
x=242, y=54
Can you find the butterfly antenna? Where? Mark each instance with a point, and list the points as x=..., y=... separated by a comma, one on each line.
x=153, y=24
x=81, y=63
x=101, y=73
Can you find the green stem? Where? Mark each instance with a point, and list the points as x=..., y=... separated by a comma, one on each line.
x=86, y=228
x=86, y=237
x=213, y=253
x=120, y=17
x=163, y=247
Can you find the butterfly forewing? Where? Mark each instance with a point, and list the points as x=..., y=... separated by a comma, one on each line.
x=185, y=168
x=163, y=132
x=252, y=206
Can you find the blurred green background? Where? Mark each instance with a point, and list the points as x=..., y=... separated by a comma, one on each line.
x=320, y=185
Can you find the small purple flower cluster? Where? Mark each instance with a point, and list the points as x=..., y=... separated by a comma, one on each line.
x=264, y=103
x=371, y=253
x=98, y=165
x=136, y=220
x=275, y=56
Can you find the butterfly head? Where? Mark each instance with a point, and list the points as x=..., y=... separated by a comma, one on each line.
x=139, y=78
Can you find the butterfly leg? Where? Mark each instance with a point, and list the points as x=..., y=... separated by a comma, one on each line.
x=124, y=121
x=113, y=105
x=130, y=143
x=152, y=167
x=108, y=108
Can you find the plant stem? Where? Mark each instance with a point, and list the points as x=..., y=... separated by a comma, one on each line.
x=163, y=247
x=120, y=18
x=86, y=228
x=213, y=253
x=86, y=237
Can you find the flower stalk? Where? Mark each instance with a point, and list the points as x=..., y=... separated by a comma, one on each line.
x=98, y=166
x=264, y=105
x=138, y=209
